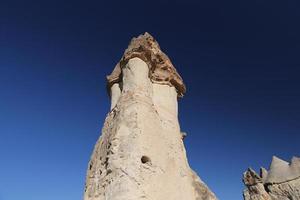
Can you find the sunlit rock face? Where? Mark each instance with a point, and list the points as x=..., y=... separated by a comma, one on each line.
x=281, y=182
x=140, y=154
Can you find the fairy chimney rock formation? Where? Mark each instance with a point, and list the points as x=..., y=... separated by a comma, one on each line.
x=281, y=182
x=140, y=153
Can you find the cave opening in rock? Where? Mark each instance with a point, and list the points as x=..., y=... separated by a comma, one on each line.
x=145, y=159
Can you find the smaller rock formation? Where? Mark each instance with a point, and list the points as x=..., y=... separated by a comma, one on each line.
x=281, y=182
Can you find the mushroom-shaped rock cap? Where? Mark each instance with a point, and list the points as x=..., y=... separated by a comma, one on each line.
x=161, y=69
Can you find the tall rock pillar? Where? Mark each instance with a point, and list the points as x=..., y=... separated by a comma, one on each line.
x=140, y=154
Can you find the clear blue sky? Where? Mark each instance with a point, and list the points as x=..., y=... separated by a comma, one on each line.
x=239, y=59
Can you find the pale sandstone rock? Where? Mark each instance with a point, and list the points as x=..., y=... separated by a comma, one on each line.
x=161, y=69
x=255, y=188
x=281, y=171
x=263, y=174
x=140, y=154
x=115, y=93
x=281, y=182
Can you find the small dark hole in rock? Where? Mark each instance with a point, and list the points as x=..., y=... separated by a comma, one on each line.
x=145, y=159
x=108, y=171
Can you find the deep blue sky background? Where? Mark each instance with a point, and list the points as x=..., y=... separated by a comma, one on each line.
x=239, y=59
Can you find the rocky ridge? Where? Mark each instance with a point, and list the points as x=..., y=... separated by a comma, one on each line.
x=281, y=182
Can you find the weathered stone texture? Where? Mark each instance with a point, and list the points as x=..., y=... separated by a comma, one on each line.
x=161, y=69
x=140, y=154
x=281, y=182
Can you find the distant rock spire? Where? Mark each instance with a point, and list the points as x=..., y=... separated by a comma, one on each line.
x=281, y=182
x=282, y=171
x=250, y=177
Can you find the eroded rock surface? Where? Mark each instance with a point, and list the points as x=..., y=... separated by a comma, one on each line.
x=140, y=154
x=281, y=182
x=161, y=69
